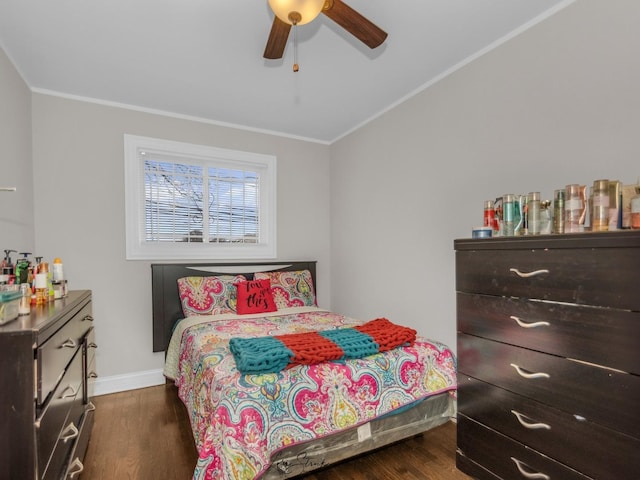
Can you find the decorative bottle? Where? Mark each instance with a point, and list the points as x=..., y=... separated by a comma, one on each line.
x=508, y=212
x=24, y=307
x=573, y=209
x=635, y=208
x=489, y=213
x=558, y=211
x=600, y=206
x=545, y=217
x=533, y=213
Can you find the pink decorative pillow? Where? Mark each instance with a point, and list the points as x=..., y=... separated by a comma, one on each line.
x=290, y=289
x=254, y=296
x=208, y=295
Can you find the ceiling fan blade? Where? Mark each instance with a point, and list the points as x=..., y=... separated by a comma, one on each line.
x=277, y=39
x=354, y=23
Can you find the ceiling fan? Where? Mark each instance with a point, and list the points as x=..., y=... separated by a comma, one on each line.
x=300, y=12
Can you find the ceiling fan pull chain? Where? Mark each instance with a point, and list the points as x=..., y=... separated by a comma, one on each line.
x=295, y=48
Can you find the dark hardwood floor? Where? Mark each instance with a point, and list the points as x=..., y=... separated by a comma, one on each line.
x=145, y=435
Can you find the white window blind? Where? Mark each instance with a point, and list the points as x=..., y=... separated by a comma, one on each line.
x=190, y=201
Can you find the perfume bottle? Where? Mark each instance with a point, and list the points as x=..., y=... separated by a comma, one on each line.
x=508, y=214
x=600, y=206
x=546, y=224
x=489, y=213
x=574, y=208
x=24, y=308
x=635, y=208
x=533, y=213
x=558, y=211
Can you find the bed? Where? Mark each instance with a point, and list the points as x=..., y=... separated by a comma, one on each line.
x=274, y=422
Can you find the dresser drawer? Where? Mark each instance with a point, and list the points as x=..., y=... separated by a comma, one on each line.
x=90, y=373
x=602, y=277
x=605, y=336
x=473, y=469
x=75, y=466
x=552, y=432
x=61, y=411
x=506, y=458
x=602, y=396
x=54, y=354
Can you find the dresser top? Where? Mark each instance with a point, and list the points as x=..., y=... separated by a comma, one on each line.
x=43, y=317
x=613, y=239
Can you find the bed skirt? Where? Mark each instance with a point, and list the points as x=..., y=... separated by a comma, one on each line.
x=306, y=457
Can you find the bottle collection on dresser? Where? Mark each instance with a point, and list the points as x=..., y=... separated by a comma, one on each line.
x=30, y=281
x=47, y=371
x=605, y=206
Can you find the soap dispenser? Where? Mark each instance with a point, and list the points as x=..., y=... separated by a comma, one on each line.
x=8, y=271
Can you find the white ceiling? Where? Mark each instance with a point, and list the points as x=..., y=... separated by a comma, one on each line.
x=203, y=58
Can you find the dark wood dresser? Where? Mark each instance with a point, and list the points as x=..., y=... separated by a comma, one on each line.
x=46, y=363
x=549, y=356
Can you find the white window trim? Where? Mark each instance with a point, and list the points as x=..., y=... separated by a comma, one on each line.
x=138, y=249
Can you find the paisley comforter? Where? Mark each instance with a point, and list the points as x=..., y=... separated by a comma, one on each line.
x=239, y=421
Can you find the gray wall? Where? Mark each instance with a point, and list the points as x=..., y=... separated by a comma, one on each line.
x=79, y=216
x=16, y=208
x=558, y=104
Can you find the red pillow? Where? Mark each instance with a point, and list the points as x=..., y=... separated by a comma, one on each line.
x=254, y=296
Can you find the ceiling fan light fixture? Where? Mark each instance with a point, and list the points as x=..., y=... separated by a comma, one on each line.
x=296, y=12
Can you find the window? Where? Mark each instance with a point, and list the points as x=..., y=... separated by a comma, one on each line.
x=186, y=201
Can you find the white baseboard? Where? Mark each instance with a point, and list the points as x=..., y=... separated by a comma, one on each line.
x=129, y=381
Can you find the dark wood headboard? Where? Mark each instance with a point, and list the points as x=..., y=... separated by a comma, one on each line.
x=167, y=309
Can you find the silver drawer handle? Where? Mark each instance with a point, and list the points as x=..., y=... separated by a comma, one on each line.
x=69, y=395
x=524, y=374
x=92, y=345
x=68, y=436
x=75, y=464
x=528, y=274
x=525, y=474
x=88, y=318
x=69, y=343
x=529, y=325
x=92, y=375
x=530, y=426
